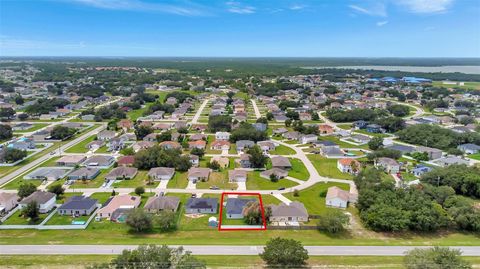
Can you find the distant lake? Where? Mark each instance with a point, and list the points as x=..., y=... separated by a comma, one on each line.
x=467, y=69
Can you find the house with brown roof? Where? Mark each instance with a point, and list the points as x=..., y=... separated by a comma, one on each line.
x=348, y=165
x=125, y=124
x=198, y=174
x=220, y=145
x=45, y=201
x=281, y=162
x=8, y=201
x=128, y=160
x=237, y=175
x=71, y=160
x=124, y=201
x=122, y=172
x=325, y=129
x=170, y=145
x=278, y=172
x=199, y=144
x=222, y=161
x=157, y=204
x=142, y=145
x=337, y=197
x=295, y=211
x=161, y=173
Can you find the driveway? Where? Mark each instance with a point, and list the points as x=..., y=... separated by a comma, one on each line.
x=242, y=186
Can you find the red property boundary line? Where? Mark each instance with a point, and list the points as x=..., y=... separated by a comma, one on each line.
x=262, y=210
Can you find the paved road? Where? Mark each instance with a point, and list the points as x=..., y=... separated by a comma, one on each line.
x=199, y=112
x=47, y=156
x=216, y=250
x=255, y=108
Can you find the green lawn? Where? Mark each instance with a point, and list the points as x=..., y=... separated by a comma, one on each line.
x=255, y=182
x=16, y=219
x=64, y=220
x=101, y=197
x=341, y=143
x=219, y=179
x=327, y=167
x=298, y=171
x=179, y=181
x=474, y=156
x=35, y=127
x=81, y=147
x=282, y=150
x=371, y=134
x=64, y=197
x=102, y=149
x=314, y=197
x=94, y=183
x=139, y=180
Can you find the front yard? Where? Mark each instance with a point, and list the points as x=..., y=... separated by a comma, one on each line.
x=298, y=171
x=255, y=182
x=327, y=167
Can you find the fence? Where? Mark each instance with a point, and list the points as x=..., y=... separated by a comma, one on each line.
x=291, y=227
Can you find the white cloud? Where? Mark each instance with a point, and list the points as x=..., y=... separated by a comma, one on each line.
x=138, y=5
x=381, y=23
x=297, y=7
x=376, y=9
x=426, y=6
x=239, y=8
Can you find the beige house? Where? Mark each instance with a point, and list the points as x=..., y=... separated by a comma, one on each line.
x=296, y=211
x=116, y=202
x=8, y=201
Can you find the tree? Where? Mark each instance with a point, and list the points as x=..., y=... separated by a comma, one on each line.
x=436, y=257
x=280, y=252
x=219, y=123
x=269, y=115
x=257, y=159
x=399, y=110
x=142, y=130
x=291, y=114
x=7, y=112
x=57, y=189
x=252, y=214
x=273, y=177
x=332, y=221
x=262, y=120
x=420, y=156
x=11, y=155
x=139, y=190
x=22, y=116
x=288, y=122
x=139, y=220
x=214, y=165
x=198, y=151
x=153, y=256
x=31, y=211
x=164, y=136
x=385, y=152
x=26, y=189
x=61, y=132
x=5, y=132
x=166, y=221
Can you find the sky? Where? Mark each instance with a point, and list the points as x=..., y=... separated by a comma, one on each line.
x=262, y=28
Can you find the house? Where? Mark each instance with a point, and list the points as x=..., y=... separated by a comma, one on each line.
x=360, y=124
x=419, y=170
x=199, y=144
x=292, y=135
x=332, y=151
x=348, y=165
x=469, y=148
x=45, y=201
x=198, y=174
x=237, y=175
x=125, y=124
x=78, y=206
x=116, y=144
x=22, y=144
x=220, y=145
x=245, y=161
x=262, y=127
x=71, y=160
x=128, y=160
x=281, y=162
x=266, y=146
x=47, y=173
x=194, y=160
x=360, y=139
x=161, y=173
x=22, y=126
x=235, y=207
x=305, y=116
x=157, y=204
x=142, y=145
x=222, y=136
x=432, y=153
x=278, y=172
x=124, y=201
x=388, y=164
x=106, y=135
x=279, y=131
x=162, y=126
x=195, y=137
x=100, y=161
x=84, y=173
x=337, y=197
x=295, y=211
x=244, y=144
x=8, y=201
x=95, y=144
x=402, y=148
x=122, y=172
x=170, y=145
x=449, y=160
x=309, y=138
x=325, y=129
x=374, y=128
x=222, y=161
x=201, y=206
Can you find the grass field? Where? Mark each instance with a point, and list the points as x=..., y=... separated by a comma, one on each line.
x=314, y=197
x=282, y=150
x=179, y=181
x=94, y=183
x=139, y=180
x=474, y=156
x=219, y=179
x=327, y=167
x=255, y=182
x=16, y=219
x=35, y=127
x=81, y=147
x=298, y=171
x=467, y=85
x=64, y=220
x=102, y=197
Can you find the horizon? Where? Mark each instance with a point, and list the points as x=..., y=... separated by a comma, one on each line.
x=240, y=29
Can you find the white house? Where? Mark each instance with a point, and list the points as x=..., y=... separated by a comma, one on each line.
x=45, y=201
x=337, y=197
x=222, y=135
x=305, y=139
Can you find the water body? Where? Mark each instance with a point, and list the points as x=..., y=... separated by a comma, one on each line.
x=467, y=69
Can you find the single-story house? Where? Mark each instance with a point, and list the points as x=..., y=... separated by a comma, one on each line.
x=433, y=153
x=360, y=139
x=71, y=160
x=194, y=160
x=45, y=201
x=281, y=162
x=325, y=129
x=244, y=144
x=235, y=207
x=449, y=160
x=402, y=148
x=199, y=144
x=116, y=202
x=201, y=206
x=137, y=146
x=198, y=174
x=161, y=173
x=295, y=211
x=419, y=170
x=222, y=136
x=388, y=164
x=8, y=201
x=348, y=165
x=128, y=160
x=122, y=172
x=100, y=161
x=337, y=197
x=237, y=175
x=78, y=206
x=157, y=204
x=106, y=135
x=84, y=173
x=94, y=145
x=469, y=148
x=47, y=173
x=278, y=172
x=291, y=135
x=170, y=145
x=220, y=145
x=266, y=146
x=222, y=161
x=309, y=138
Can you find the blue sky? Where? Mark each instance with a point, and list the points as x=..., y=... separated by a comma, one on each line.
x=322, y=28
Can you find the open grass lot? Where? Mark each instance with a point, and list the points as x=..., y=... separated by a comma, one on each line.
x=314, y=197
x=64, y=220
x=212, y=261
x=255, y=182
x=139, y=180
x=341, y=143
x=64, y=197
x=102, y=149
x=101, y=197
x=35, y=127
x=179, y=181
x=467, y=85
x=298, y=171
x=371, y=134
x=269, y=199
x=219, y=179
x=282, y=150
x=474, y=156
x=16, y=219
x=81, y=147
x=94, y=183
x=327, y=167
